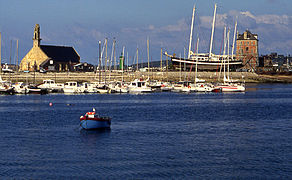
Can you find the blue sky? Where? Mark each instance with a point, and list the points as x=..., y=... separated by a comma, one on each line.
x=82, y=23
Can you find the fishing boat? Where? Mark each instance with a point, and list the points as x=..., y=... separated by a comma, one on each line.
x=91, y=120
x=32, y=89
x=139, y=86
x=6, y=89
x=118, y=87
x=71, y=87
x=51, y=86
x=20, y=88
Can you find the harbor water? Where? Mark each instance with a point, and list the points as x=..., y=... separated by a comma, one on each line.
x=153, y=136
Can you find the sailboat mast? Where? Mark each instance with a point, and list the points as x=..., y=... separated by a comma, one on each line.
x=123, y=59
x=105, y=59
x=235, y=29
x=212, y=35
x=228, y=37
x=0, y=55
x=17, y=65
x=115, y=55
x=99, y=59
x=196, y=71
x=148, y=57
x=137, y=60
x=224, y=58
x=161, y=60
x=111, y=61
x=191, y=34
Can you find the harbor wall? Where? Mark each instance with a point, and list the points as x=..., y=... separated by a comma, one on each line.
x=36, y=77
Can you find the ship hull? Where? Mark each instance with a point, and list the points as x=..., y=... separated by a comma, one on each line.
x=203, y=65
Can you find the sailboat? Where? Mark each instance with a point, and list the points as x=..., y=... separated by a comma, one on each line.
x=205, y=61
x=228, y=85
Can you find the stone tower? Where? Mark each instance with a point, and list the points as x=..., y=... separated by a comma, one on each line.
x=247, y=50
x=36, y=36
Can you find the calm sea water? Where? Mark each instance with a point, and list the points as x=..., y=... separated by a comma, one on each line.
x=160, y=136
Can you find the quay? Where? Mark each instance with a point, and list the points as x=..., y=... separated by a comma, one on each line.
x=62, y=77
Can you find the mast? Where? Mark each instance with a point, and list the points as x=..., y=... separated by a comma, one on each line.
x=161, y=60
x=99, y=59
x=228, y=35
x=235, y=28
x=148, y=57
x=105, y=59
x=180, y=73
x=137, y=60
x=17, y=66
x=223, y=57
x=115, y=55
x=112, y=55
x=123, y=59
x=212, y=35
x=10, y=61
x=0, y=55
x=191, y=34
x=127, y=65
x=196, y=72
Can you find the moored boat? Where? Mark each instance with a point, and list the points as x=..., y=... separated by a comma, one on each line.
x=91, y=120
x=229, y=87
x=139, y=86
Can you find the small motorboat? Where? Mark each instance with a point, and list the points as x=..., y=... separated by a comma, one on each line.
x=91, y=120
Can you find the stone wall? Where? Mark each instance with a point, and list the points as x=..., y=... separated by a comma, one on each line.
x=35, y=55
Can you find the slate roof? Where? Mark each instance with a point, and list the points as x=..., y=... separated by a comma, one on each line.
x=61, y=53
x=250, y=36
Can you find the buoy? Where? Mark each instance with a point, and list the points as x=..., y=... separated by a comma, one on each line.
x=51, y=104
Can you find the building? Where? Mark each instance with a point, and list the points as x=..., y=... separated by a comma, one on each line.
x=274, y=63
x=247, y=50
x=84, y=67
x=50, y=58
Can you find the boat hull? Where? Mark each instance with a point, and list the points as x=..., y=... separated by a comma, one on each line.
x=203, y=65
x=230, y=88
x=95, y=124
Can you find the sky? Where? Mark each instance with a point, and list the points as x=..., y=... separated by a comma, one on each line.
x=166, y=23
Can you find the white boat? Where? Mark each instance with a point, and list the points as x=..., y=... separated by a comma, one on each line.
x=87, y=88
x=51, y=86
x=6, y=69
x=20, y=88
x=201, y=87
x=182, y=86
x=118, y=87
x=154, y=84
x=229, y=87
x=6, y=88
x=139, y=86
x=71, y=87
x=166, y=86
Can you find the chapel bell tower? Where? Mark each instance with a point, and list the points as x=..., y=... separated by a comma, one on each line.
x=36, y=36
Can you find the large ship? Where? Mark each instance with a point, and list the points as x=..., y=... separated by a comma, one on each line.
x=206, y=61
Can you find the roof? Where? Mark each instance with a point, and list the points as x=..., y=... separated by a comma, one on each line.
x=250, y=36
x=61, y=53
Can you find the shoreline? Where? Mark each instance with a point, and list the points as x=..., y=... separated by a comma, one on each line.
x=61, y=77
